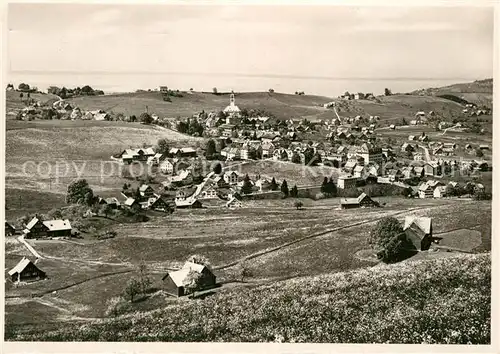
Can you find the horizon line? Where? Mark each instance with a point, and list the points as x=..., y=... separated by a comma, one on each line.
x=264, y=75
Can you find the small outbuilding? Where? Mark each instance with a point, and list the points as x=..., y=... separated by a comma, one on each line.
x=174, y=283
x=360, y=202
x=419, y=231
x=26, y=271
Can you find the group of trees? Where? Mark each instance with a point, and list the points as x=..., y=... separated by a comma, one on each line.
x=190, y=127
x=78, y=91
x=23, y=87
x=247, y=187
x=79, y=192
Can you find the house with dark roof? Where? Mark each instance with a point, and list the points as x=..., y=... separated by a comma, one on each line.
x=26, y=271
x=157, y=203
x=419, y=231
x=38, y=228
x=174, y=283
x=360, y=202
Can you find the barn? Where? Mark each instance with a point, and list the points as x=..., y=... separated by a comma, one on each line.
x=174, y=282
x=37, y=228
x=26, y=271
x=419, y=231
x=362, y=201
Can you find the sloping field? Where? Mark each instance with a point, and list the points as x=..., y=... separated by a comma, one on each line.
x=35, y=152
x=283, y=106
x=411, y=302
x=15, y=102
x=396, y=107
x=479, y=92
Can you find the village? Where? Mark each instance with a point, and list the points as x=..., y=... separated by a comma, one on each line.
x=361, y=165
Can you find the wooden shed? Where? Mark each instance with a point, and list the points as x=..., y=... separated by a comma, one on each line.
x=25, y=271
x=174, y=282
x=419, y=232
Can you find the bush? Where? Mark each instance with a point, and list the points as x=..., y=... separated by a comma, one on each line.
x=106, y=235
x=117, y=306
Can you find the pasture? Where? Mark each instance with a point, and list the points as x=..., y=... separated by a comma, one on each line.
x=15, y=102
x=283, y=106
x=47, y=155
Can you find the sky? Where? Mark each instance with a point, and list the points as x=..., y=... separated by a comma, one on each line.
x=317, y=49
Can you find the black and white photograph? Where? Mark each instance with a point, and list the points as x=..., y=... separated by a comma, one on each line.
x=248, y=173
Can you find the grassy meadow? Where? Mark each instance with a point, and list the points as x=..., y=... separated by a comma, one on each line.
x=38, y=151
x=271, y=241
x=413, y=302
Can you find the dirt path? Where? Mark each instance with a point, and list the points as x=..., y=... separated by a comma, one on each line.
x=29, y=247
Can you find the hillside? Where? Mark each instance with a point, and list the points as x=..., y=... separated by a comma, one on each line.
x=282, y=106
x=15, y=102
x=445, y=300
x=479, y=92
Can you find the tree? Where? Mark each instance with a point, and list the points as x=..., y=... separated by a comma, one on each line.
x=271, y=90
x=214, y=91
x=390, y=241
x=21, y=95
x=324, y=186
x=192, y=281
x=132, y=289
x=162, y=146
x=296, y=158
x=385, y=230
x=23, y=87
x=298, y=205
x=145, y=118
x=284, y=188
x=211, y=150
x=50, y=113
x=247, y=185
x=79, y=192
x=125, y=187
x=479, y=153
x=63, y=93
x=217, y=169
x=309, y=156
x=87, y=90
x=144, y=280
x=452, y=191
x=274, y=185
x=244, y=271
x=294, y=192
x=199, y=259
x=387, y=92
x=105, y=209
x=331, y=188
